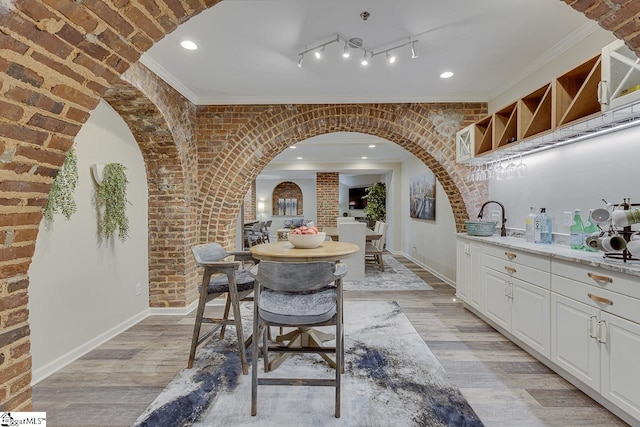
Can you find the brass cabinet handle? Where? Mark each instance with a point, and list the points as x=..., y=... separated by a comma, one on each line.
x=596, y=298
x=510, y=255
x=510, y=269
x=600, y=278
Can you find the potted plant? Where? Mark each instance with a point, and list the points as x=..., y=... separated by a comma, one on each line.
x=60, y=198
x=112, y=198
x=376, y=208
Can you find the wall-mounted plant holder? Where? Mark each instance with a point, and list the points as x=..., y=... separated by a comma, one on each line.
x=97, y=170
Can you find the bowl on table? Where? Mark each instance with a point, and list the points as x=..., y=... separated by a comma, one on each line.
x=306, y=241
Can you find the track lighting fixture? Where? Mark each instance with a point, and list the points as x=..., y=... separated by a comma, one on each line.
x=345, y=51
x=391, y=58
x=355, y=43
x=364, y=61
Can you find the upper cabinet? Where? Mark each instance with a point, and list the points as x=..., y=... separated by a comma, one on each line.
x=620, y=76
x=577, y=102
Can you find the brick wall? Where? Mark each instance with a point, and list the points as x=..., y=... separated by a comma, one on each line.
x=59, y=57
x=327, y=194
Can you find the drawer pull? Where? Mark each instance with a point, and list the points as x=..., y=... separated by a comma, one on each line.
x=600, y=278
x=511, y=270
x=596, y=298
x=510, y=255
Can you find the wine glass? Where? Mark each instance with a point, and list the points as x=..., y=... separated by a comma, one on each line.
x=521, y=170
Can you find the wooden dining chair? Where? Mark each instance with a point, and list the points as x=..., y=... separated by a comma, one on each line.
x=373, y=250
x=221, y=276
x=294, y=294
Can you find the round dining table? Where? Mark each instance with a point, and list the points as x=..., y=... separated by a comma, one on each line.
x=285, y=252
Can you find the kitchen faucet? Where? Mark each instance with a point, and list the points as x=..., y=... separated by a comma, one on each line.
x=503, y=230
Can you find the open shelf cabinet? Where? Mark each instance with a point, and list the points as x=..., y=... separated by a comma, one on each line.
x=534, y=113
x=620, y=75
x=576, y=92
x=484, y=144
x=505, y=126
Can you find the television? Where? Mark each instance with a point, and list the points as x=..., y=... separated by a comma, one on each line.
x=355, y=197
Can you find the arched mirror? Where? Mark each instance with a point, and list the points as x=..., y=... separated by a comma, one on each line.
x=286, y=199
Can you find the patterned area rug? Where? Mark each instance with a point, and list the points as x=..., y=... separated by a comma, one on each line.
x=391, y=379
x=395, y=277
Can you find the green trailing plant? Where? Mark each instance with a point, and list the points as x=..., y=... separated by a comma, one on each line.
x=60, y=198
x=112, y=198
x=376, y=197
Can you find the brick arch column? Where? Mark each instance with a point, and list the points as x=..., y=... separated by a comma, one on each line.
x=166, y=143
x=276, y=128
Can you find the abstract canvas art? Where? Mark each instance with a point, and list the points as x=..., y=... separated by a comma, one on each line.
x=422, y=196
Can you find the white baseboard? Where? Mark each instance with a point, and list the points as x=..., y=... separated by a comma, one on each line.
x=52, y=367
x=173, y=311
x=426, y=267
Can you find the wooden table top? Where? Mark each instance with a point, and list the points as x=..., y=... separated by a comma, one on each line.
x=286, y=252
x=369, y=234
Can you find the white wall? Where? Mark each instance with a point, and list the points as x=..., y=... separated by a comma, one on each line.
x=575, y=176
x=430, y=243
x=264, y=191
x=81, y=291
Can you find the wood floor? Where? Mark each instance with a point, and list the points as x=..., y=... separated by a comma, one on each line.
x=113, y=384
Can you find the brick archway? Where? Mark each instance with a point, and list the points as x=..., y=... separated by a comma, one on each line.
x=278, y=127
x=58, y=59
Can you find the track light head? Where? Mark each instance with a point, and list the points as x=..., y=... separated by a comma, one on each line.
x=300, y=61
x=414, y=54
x=318, y=53
x=364, y=61
x=391, y=58
x=345, y=51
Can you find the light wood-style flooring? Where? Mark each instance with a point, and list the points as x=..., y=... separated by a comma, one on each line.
x=113, y=384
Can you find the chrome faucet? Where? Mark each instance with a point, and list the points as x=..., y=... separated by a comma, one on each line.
x=503, y=230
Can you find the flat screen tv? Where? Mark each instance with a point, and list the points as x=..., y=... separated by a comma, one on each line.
x=355, y=197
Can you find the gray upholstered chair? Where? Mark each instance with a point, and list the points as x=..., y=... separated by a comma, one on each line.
x=305, y=295
x=253, y=236
x=265, y=230
x=230, y=278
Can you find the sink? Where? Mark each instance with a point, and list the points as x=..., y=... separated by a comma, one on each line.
x=480, y=228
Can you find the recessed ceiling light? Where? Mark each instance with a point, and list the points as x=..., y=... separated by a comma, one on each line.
x=372, y=145
x=188, y=44
x=293, y=147
x=299, y=158
x=364, y=157
x=446, y=75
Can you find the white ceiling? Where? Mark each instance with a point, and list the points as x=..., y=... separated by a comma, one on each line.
x=248, y=51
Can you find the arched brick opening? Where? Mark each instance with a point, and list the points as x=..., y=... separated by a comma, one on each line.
x=170, y=178
x=58, y=59
x=278, y=127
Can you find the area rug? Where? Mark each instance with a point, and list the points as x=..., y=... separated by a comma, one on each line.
x=395, y=277
x=391, y=379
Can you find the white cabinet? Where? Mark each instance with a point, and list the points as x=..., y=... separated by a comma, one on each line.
x=520, y=307
x=596, y=332
x=620, y=76
x=465, y=143
x=469, y=287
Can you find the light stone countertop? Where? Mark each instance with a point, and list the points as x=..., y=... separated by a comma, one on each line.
x=561, y=252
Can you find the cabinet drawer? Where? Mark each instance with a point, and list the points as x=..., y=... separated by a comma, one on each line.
x=604, y=279
x=540, y=262
x=523, y=272
x=605, y=300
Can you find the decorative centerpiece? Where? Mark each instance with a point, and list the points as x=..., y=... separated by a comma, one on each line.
x=306, y=237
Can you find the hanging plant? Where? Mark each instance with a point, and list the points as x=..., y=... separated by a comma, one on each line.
x=376, y=208
x=60, y=198
x=112, y=197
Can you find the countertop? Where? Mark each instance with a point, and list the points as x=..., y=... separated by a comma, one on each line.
x=561, y=252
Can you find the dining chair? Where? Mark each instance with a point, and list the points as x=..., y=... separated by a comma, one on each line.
x=253, y=235
x=294, y=294
x=265, y=230
x=373, y=250
x=222, y=276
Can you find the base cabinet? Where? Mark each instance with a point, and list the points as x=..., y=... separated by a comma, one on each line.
x=581, y=320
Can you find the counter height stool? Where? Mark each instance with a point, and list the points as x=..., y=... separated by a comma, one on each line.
x=294, y=294
x=235, y=281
